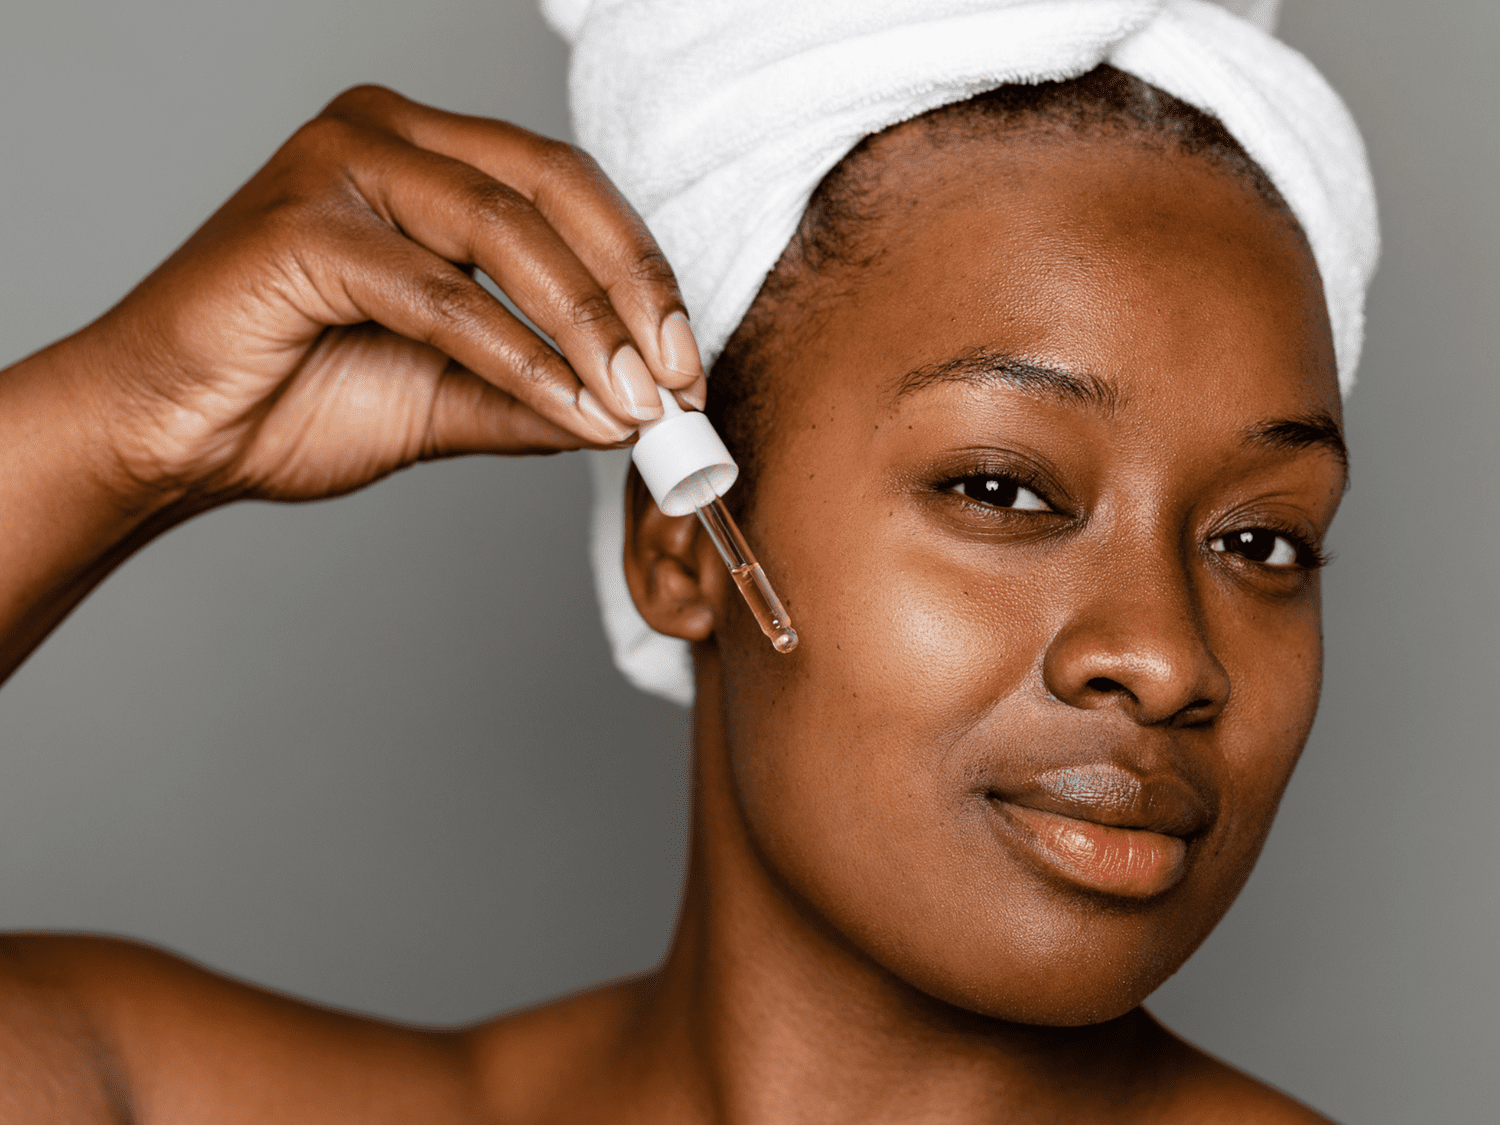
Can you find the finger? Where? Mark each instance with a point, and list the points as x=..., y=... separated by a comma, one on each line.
x=471, y=415
x=370, y=271
x=570, y=190
x=582, y=205
x=463, y=215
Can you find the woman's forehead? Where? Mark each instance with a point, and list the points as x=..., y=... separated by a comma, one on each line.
x=1145, y=267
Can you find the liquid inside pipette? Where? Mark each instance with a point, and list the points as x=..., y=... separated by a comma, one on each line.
x=748, y=576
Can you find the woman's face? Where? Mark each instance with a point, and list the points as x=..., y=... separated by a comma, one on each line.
x=1044, y=499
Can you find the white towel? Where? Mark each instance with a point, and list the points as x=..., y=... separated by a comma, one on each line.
x=718, y=118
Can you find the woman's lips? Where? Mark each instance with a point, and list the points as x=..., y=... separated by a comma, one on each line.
x=1132, y=862
x=1105, y=828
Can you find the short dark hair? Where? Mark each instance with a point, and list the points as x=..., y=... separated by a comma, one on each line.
x=1104, y=103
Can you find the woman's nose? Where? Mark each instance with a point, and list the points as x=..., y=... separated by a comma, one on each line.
x=1139, y=645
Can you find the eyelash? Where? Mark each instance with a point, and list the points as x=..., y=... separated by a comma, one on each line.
x=1010, y=485
x=1014, y=478
x=1308, y=556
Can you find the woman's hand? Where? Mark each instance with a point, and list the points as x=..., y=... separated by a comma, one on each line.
x=324, y=329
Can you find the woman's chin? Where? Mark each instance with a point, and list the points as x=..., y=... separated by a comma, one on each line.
x=1052, y=972
x=1065, y=999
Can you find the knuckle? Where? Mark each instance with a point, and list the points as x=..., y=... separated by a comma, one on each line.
x=561, y=160
x=324, y=137
x=650, y=267
x=493, y=203
x=305, y=203
x=449, y=307
x=366, y=99
x=538, y=365
x=589, y=309
x=300, y=214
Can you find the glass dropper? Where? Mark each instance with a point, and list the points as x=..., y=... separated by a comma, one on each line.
x=748, y=575
x=687, y=468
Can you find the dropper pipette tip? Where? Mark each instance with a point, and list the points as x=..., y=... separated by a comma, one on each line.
x=769, y=613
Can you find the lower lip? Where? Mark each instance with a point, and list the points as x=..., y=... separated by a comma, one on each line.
x=1130, y=862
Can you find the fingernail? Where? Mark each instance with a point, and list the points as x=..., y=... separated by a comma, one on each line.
x=634, y=386
x=679, y=347
x=608, y=426
x=696, y=395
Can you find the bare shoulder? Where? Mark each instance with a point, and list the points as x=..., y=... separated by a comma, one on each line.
x=54, y=1064
x=103, y=1030
x=543, y=1063
x=1208, y=1091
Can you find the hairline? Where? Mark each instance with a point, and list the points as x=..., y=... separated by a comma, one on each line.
x=847, y=202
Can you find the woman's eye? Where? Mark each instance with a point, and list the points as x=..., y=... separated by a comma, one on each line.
x=1261, y=545
x=1000, y=492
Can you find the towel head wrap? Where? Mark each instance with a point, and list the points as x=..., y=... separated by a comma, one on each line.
x=719, y=118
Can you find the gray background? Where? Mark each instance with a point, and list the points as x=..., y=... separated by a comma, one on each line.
x=373, y=751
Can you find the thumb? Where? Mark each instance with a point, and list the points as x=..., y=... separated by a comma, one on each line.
x=472, y=415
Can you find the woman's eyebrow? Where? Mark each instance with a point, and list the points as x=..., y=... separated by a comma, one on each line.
x=980, y=366
x=1310, y=431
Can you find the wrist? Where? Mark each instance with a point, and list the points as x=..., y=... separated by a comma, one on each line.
x=66, y=418
x=69, y=513
x=112, y=418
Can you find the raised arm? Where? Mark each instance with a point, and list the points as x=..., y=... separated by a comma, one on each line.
x=324, y=329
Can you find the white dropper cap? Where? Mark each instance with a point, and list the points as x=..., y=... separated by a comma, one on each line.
x=682, y=459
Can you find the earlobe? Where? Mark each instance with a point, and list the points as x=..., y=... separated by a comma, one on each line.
x=675, y=578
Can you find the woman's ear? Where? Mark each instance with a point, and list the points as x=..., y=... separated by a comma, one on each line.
x=676, y=579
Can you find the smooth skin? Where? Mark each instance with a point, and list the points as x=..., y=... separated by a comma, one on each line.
x=996, y=580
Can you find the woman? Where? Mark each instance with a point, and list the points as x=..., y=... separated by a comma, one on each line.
x=1038, y=413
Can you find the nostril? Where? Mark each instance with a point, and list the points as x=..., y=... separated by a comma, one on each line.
x=1105, y=686
x=1199, y=712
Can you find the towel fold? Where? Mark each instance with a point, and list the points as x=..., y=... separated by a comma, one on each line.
x=718, y=119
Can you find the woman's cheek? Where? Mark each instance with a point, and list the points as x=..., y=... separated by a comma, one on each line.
x=1277, y=677
x=1275, y=666
x=893, y=673
x=913, y=643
